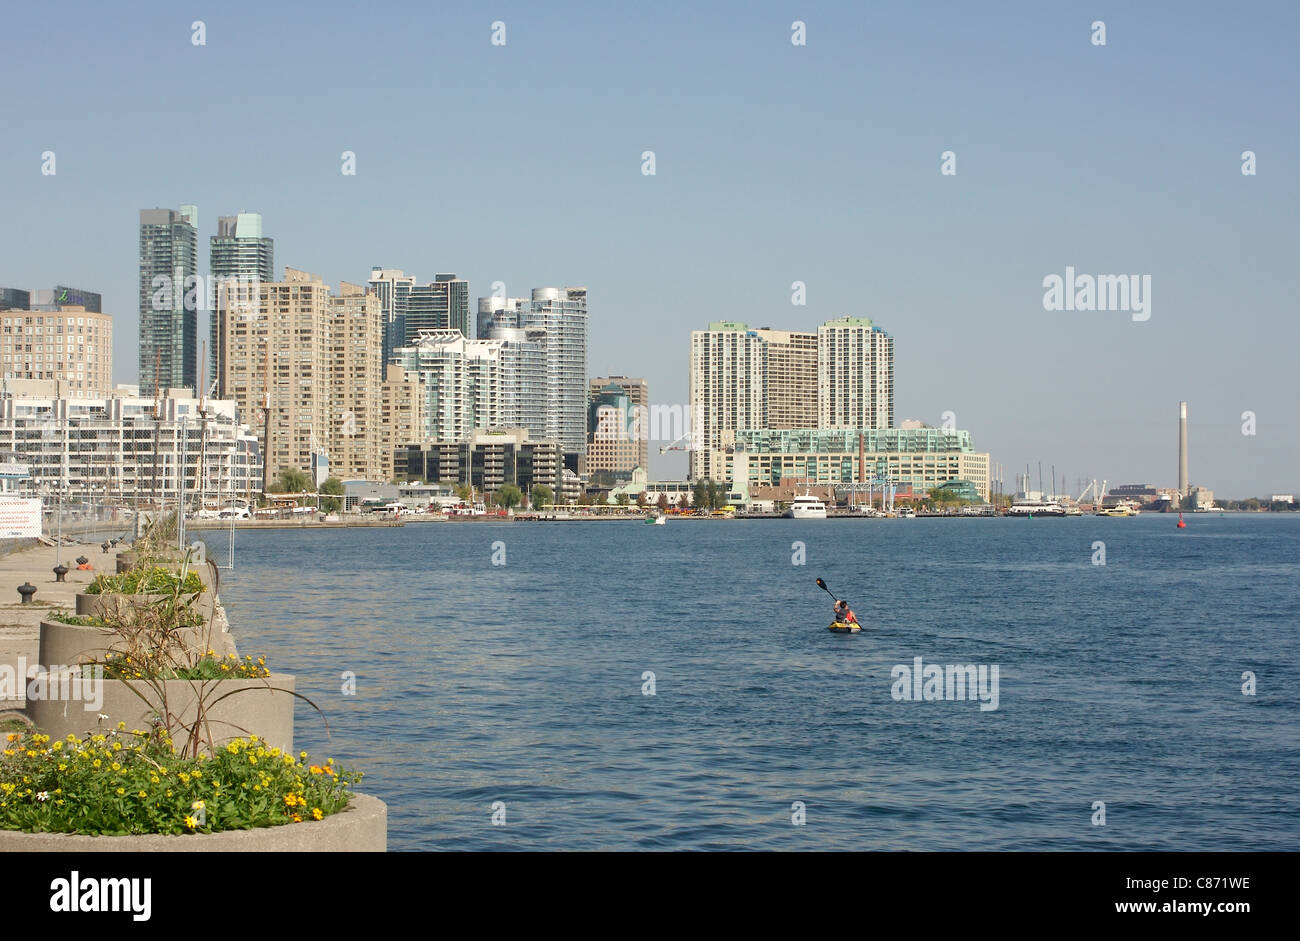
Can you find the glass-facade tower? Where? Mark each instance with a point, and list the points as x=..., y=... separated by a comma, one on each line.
x=239, y=251
x=168, y=320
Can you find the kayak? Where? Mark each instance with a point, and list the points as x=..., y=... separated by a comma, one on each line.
x=841, y=627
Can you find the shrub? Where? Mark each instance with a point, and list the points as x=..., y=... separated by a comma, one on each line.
x=154, y=580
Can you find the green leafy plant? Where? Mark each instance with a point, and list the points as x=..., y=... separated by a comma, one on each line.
x=121, y=782
x=146, y=580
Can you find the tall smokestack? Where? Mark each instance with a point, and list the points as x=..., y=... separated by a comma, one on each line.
x=1182, y=449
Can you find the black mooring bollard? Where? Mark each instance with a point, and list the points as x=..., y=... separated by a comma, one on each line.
x=27, y=590
x=59, y=572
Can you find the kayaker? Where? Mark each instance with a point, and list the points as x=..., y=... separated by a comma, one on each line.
x=843, y=614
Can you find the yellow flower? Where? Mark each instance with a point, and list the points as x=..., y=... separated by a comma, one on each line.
x=117, y=746
x=252, y=759
x=290, y=800
x=96, y=763
x=142, y=794
x=13, y=737
x=197, y=805
x=115, y=766
x=297, y=819
x=121, y=791
x=316, y=812
x=121, y=726
x=63, y=767
x=190, y=822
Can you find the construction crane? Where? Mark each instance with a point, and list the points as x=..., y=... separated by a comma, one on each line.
x=674, y=446
x=1097, y=493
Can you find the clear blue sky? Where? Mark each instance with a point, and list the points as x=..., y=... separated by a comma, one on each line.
x=776, y=163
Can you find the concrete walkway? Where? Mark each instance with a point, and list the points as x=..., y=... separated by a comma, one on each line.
x=20, y=624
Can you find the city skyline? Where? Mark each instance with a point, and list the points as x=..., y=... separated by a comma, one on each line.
x=953, y=266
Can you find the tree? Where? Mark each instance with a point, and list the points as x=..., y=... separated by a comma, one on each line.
x=465, y=493
x=622, y=499
x=641, y=500
x=542, y=495
x=292, y=480
x=682, y=502
x=663, y=502
x=509, y=496
x=332, y=504
x=701, y=493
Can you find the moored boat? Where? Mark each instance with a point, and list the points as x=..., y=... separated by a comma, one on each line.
x=807, y=507
x=1036, y=508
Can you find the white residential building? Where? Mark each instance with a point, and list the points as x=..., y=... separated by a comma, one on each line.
x=127, y=448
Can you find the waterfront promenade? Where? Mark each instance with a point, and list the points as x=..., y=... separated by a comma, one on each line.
x=20, y=623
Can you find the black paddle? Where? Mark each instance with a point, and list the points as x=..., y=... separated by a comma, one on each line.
x=822, y=585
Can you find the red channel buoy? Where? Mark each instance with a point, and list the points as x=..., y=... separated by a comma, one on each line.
x=1181, y=524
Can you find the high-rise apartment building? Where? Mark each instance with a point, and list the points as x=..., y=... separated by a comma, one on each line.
x=555, y=318
x=238, y=252
x=618, y=426
x=393, y=288
x=523, y=377
x=72, y=346
x=743, y=378
x=355, y=438
x=729, y=388
x=168, y=321
x=314, y=357
x=790, y=378
x=855, y=375
x=401, y=415
x=461, y=382
x=441, y=305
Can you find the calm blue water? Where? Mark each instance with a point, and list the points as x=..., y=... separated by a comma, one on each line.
x=522, y=683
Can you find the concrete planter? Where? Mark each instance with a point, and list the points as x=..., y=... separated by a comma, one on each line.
x=260, y=707
x=362, y=827
x=104, y=604
x=72, y=644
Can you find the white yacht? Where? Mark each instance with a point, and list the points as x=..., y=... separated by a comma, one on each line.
x=807, y=507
